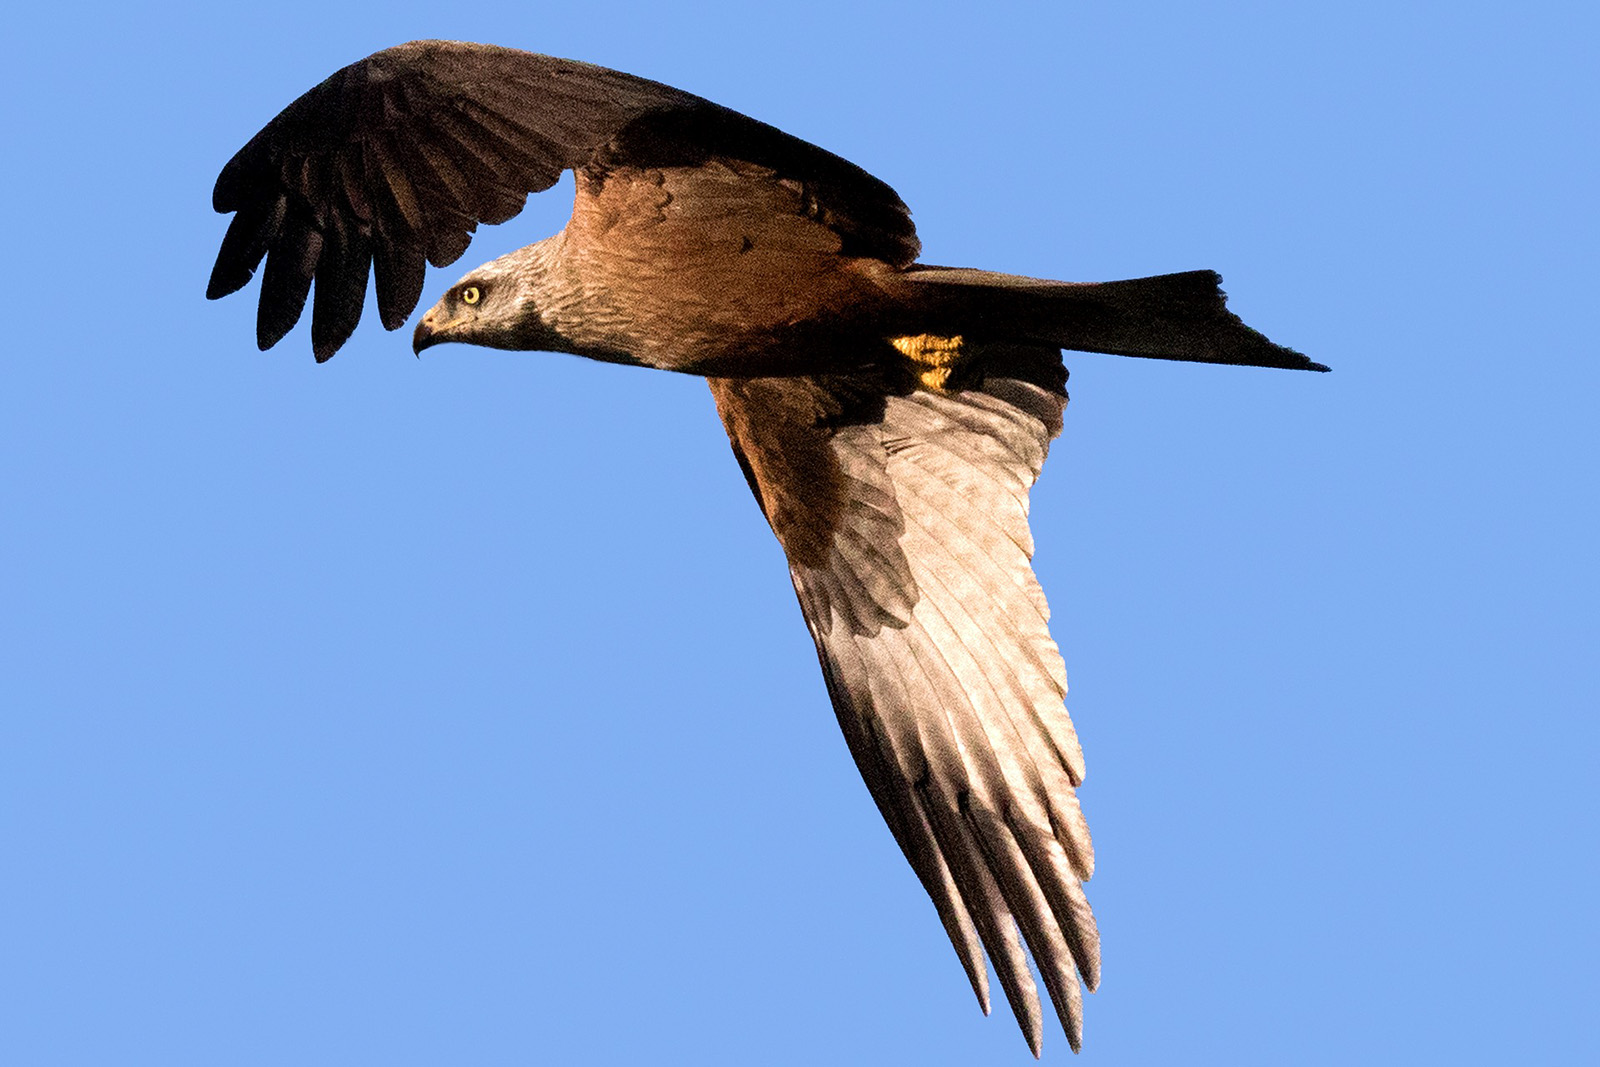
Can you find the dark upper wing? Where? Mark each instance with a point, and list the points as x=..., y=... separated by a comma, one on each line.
x=393, y=161
x=904, y=518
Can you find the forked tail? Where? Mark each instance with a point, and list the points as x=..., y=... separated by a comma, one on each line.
x=1170, y=316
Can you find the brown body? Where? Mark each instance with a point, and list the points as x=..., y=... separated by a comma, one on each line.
x=889, y=416
x=686, y=270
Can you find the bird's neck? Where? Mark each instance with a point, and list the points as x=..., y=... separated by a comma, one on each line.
x=559, y=313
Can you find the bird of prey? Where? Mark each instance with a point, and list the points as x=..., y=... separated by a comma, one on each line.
x=890, y=416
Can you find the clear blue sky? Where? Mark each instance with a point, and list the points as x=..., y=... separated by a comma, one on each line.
x=458, y=711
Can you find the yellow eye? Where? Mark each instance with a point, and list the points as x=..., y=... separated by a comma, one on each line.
x=470, y=295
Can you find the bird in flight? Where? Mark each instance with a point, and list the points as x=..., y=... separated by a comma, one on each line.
x=890, y=416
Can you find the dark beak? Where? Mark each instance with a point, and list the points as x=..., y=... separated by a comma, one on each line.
x=425, y=335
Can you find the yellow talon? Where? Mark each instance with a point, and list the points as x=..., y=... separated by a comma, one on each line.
x=939, y=354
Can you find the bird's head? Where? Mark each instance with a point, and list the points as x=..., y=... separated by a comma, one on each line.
x=494, y=306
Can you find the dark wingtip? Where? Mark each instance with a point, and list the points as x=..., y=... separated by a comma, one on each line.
x=272, y=329
x=224, y=197
x=222, y=285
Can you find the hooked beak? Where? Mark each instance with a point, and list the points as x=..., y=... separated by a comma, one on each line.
x=434, y=329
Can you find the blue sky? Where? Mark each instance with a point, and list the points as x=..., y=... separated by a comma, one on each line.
x=459, y=711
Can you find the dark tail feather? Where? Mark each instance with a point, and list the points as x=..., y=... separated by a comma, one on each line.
x=1171, y=316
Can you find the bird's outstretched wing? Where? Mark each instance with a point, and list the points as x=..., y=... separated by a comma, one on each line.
x=393, y=161
x=904, y=517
